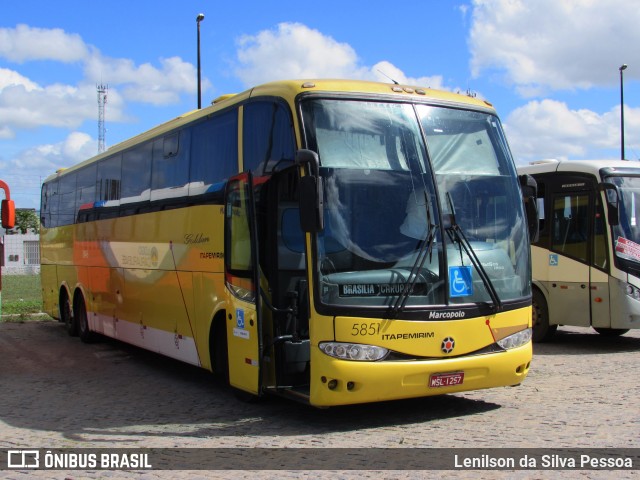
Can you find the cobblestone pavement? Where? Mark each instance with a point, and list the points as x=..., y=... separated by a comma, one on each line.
x=582, y=392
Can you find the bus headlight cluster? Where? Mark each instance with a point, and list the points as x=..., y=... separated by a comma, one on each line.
x=516, y=340
x=353, y=351
x=633, y=292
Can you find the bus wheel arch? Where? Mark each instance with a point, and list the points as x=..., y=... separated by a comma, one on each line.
x=66, y=312
x=218, y=346
x=542, y=331
x=81, y=316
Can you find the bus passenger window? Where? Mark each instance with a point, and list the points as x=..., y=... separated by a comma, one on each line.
x=214, y=151
x=109, y=178
x=170, y=164
x=268, y=141
x=49, y=206
x=86, y=190
x=136, y=173
x=67, y=205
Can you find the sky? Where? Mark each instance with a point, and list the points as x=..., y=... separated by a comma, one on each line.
x=550, y=67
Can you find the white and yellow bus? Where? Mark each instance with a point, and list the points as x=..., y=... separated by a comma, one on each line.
x=337, y=242
x=586, y=262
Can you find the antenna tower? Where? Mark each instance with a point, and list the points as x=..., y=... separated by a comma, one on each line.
x=102, y=101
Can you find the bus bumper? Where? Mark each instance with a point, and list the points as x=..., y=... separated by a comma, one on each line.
x=340, y=382
x=625, y=308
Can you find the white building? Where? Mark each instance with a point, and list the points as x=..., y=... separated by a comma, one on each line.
x=20, y=254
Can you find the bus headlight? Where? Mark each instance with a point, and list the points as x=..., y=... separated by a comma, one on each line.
x=353, y=351
x=633, y=292
x=516, y=340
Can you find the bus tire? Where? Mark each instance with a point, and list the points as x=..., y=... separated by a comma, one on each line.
x=66, y=315
x=542, y=331
x=80, y=309
x=611, y=332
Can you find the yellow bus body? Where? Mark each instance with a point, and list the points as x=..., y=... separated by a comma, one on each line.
x=157, y=280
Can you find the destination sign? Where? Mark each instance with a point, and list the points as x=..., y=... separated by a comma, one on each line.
x=379, y=289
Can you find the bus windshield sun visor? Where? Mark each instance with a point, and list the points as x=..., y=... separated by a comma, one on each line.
x=425, y=250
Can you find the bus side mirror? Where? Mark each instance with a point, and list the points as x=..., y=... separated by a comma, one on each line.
x=8, y=214
x=311, y=204
x=529, y=197
x=612, y=194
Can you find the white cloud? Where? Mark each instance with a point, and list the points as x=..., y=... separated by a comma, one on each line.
x=549, y=129
x=56, y=105
x=10, y=78
x=381, y=72
x=25, y=43
x=145, y=83
x=76, y=147
x=6, y=133
x=295, y=51
x=24, y=104
x=554, y=44
x=28, y=168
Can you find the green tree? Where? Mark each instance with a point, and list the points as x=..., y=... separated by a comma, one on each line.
x=27, y=221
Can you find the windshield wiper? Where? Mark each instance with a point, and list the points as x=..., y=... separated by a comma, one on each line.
x=425, y=250
x=457, y=232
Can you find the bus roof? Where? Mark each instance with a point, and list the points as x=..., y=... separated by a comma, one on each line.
x=289, y=90
x=582, y=166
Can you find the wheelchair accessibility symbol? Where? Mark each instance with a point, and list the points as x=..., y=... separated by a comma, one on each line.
x=460, y=281
x=239, y=318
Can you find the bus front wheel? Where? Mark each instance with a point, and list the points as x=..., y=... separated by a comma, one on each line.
x=542, y=331
x=219, y=350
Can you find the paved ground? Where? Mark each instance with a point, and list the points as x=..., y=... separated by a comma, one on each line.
x=56, y=392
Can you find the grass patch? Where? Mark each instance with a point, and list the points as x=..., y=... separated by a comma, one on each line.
x=21, y=295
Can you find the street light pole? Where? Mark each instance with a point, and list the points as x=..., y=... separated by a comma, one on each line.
x=622, y=68
x=199, y=18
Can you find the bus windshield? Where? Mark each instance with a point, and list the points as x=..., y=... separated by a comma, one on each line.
x=626, y=235
x=398, y=178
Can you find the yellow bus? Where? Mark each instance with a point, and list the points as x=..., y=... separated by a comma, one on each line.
x=333, y=241
x=586, y=262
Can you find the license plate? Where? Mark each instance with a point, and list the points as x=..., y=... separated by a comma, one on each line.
x=446, y=379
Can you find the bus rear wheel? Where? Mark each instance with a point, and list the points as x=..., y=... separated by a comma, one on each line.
x=611, y=332
x=80, y=309
x=66, y=316
x=542, y=331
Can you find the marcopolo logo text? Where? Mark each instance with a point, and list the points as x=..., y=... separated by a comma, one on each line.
x=445, y=315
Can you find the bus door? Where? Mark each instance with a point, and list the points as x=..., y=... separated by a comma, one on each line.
x=284, y=265
x=244, y=322
x=574, y=282
x=599, y=269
